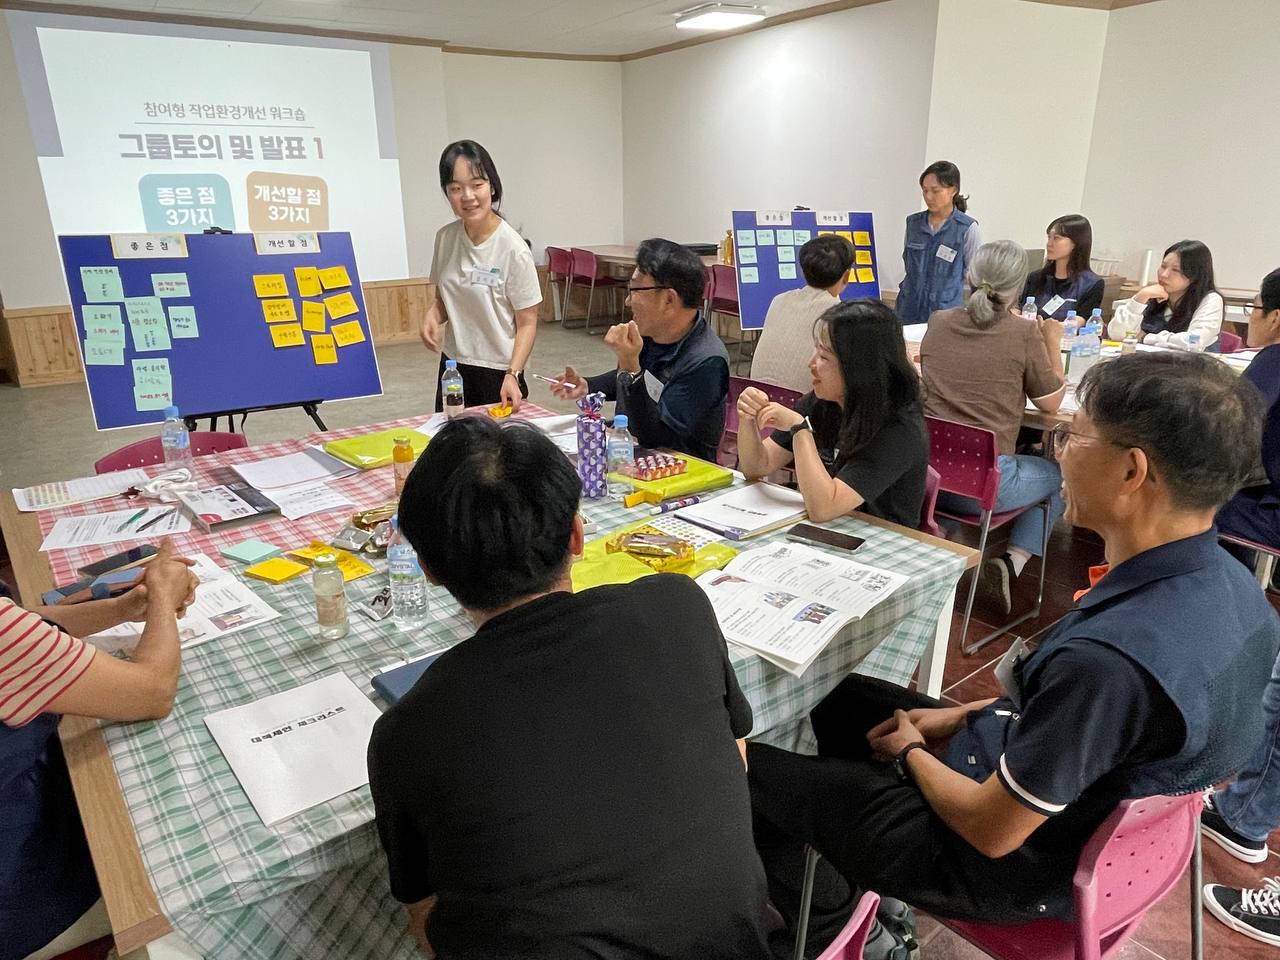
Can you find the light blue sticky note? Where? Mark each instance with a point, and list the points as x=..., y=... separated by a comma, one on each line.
x=151, y=398
x=170, y=285
x=250, y=551
x=746, y=238
x=747, y=255
x=786, y=238
x=764, y=238
x=152, y=384
x=101, y=284
x=749, y=275
x=786, y=271
x=801, y=237
x=148, y=323
x=104, y=353
x=182, y=321
x=102, y=323
x=138, y=308
x=786, y=254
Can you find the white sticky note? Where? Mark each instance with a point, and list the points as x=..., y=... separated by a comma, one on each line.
x=785, y=237
x=786, y=254
x=801, y=237
x=786, y=271
x=747, y=255
x=749, y=275
x=746, y=238
x=764, y=238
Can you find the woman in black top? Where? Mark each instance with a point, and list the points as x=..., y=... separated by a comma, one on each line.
x=1065, y=282
x=857, y=440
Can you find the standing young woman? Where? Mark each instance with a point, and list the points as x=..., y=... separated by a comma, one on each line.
x=857, y=439
x=1065, y=282
x=939, y=244
x=485, y=314
x=1181, y=302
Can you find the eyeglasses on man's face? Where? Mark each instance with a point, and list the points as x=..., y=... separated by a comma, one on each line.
x=635, y=289
x=1062, y=434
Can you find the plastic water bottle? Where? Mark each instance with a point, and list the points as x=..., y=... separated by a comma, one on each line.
x=620, y=448
x=451, y=384
x=1029, y=309
x=1085, y=351
x=1070, y=332
x=175, y=441
x=1096, y=317
x=1194, y=343
x=408, y=585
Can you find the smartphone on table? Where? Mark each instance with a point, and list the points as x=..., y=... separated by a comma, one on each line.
x=809, y=533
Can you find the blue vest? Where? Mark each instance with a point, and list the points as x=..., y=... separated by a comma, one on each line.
x=1192, y=617
x=1041, y=286
x=46, y=877
x=697, y=346
x=932, y=283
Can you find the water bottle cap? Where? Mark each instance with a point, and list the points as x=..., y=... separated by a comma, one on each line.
x=1070, y=314
x=451, y=364
x=171, y=412
x=1031, y=300
x=1097, y=312
x=620, y=421
x=395, y=521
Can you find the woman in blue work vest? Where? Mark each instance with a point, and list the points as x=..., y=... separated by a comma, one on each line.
x=939, y=243
x=1065, y=282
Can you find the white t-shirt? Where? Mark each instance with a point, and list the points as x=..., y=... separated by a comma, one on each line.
x=481, y=288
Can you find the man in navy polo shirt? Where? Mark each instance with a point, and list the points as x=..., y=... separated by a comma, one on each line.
x=1152, y=684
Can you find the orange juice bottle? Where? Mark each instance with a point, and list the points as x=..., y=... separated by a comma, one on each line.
x=402, y=462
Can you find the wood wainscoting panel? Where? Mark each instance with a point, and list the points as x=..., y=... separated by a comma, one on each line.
x=40, y=346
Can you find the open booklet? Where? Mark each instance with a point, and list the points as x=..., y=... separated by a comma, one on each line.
x=785, y=602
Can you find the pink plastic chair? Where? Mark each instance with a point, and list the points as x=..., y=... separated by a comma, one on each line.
x=586, y=268
x=932, y=484
x=1133, y=859
x=849, y=942
x=1229, y=342
x=965, y=458
x=147, y=452
x=1265, y=562
x=723, y=300
x=727, y=452
x=559, y=270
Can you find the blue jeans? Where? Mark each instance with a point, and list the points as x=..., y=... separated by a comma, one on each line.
x=1023, y=480
x=1251, y=804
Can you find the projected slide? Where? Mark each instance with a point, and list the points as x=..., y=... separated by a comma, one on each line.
x=178, y=129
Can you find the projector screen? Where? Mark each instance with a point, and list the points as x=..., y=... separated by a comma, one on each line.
x=174, y=129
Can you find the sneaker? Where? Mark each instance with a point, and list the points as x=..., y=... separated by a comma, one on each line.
x=997, y=581
x=1213, y=826
x=899, y=920
x=1255, y=913
x=883, y=944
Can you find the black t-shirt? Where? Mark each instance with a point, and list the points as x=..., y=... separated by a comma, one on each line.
x=888, y=473
x=1045, y=289
x=567, y=782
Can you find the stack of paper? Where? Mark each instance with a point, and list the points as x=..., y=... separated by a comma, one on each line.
x=748, y=511
x=63, y=493
x=293, y=469
x=117, y=526
x=563, y=431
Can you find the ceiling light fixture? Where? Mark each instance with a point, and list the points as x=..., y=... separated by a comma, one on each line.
x=719, y=16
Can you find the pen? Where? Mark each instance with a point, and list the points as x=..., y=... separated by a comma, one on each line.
x=674, y=505
x=154, y=520
x=140, y=513
x=558, y=383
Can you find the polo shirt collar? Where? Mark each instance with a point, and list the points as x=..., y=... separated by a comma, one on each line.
x=1167, y=560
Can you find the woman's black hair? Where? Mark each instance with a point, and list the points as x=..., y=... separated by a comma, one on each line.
x=1079, y=231
x=1196, y=263
x=948, y=175
x=481, y=164
x=879, y=378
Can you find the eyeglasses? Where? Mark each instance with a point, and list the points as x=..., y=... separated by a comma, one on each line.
x=631, y=289
x=1062, y=434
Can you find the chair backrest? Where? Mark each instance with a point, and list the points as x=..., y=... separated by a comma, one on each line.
x=965, y=458
x=1132, y=860
x=724, y=289
x=1228, y=342
x=585, y=266
x=148, y=452
x=777, y=394
x=932, y=484
x=559, y=263
x=850, y=941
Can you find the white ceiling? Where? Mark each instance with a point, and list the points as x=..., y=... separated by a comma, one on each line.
x=598, y=27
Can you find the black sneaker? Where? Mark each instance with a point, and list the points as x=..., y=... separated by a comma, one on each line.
x=1213, y=826
x=898, y=919
x=997, y=581
x=883, y=944
x=1255, y=913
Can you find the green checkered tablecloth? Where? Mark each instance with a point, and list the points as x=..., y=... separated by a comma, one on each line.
x=315, y=885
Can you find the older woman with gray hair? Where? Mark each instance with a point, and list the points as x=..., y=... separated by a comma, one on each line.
x=980, y=362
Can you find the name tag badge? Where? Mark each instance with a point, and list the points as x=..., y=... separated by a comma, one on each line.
x=653, y=386
x=485, y=278
x=1006, y=675
x=946, y=253
x=1053, y=306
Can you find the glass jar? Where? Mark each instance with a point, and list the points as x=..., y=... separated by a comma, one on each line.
x=331, y=597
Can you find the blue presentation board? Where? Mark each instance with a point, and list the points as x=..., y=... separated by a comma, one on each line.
x=767, y=251
x=221, y=327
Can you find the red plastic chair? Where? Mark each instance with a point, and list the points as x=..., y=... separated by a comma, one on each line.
x=147, y=452
x=727, y=452
x=932, y=484
x=1229, y=342
x=559, y=270
x=965, y=458
x=723, y=299
x=1265, y=562
x=586, y=268
x=849, y=942
x=1132, y=860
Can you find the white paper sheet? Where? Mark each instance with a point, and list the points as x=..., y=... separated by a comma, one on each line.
x=306, y=499
x=63, y=493
x=294, y=750
x=292, y=469
x=749, y=510
x=99, y=528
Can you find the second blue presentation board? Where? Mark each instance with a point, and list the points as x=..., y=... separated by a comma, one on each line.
x=766, y=255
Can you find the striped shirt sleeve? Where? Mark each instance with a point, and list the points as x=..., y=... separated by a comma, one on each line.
x=38, y=663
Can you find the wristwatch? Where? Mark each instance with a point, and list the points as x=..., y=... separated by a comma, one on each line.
x=627, y=377
x=513, y=372
x=900, y=761
x=802, y=425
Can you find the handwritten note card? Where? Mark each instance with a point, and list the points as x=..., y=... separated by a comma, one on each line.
x=323, y=350
x=103, y=323
x=287, y=335
x=170, y=285
x=270, y=285
x=278, y=311
x=343, y=305
x=331, y=278
x=182, y=322
x=101, y=284
x=345, y=334
x=308, y=281
x=312, y=316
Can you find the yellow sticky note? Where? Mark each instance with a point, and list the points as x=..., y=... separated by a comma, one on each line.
x=287, y=335
x=323, y=349
x=345, y=334
x=861, y=238
x=863, y=257
x=278, y=311
x=270, y=285
x=343, y=305
x=846, y=234
x=312, y=316
x=333, y=277
x=276, y=570
x=853, y=275
x=866, y=275
x=825, y=233
x=308, y=281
